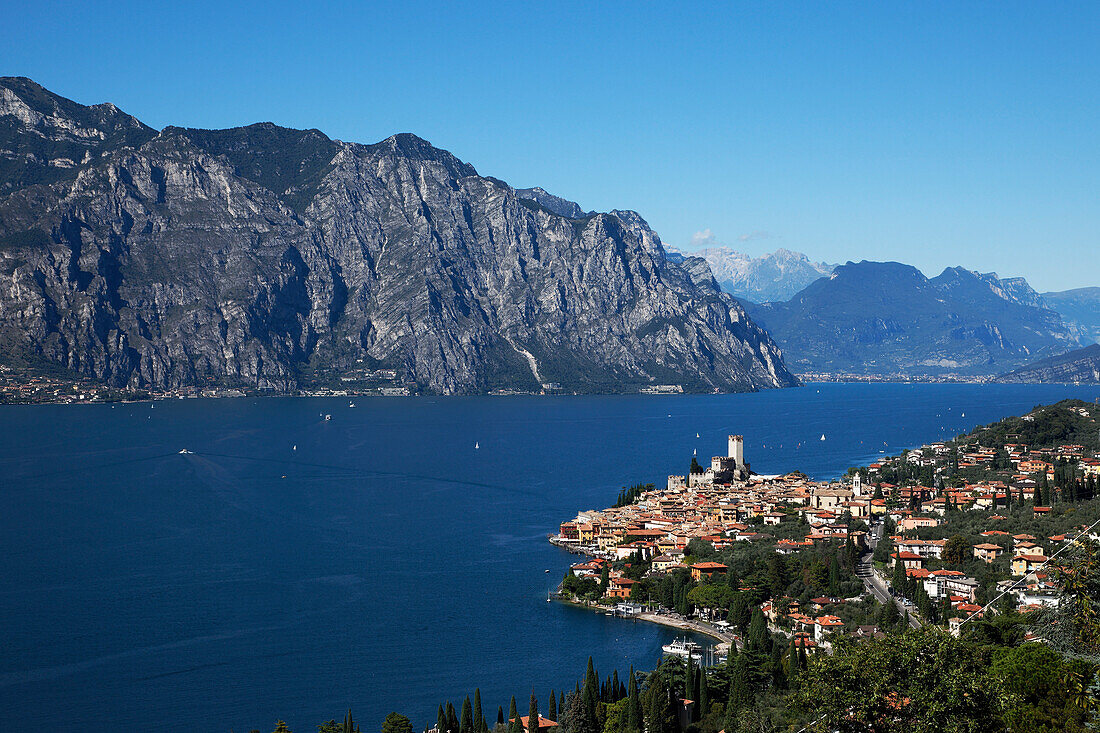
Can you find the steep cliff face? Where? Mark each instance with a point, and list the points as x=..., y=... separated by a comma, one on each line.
x=269, y=257
x=1080, y=365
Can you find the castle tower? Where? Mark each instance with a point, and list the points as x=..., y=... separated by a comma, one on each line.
x=737, y=450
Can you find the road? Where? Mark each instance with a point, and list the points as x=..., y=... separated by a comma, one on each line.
x=875, y=585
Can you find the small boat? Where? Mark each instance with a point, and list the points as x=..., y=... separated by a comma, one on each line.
x=823, y=436
x=477, y=445
x=294, y=447
x=185, y=452
x=351, y=404
x=328, y=417
x=547, y=596
x=547, y=570
x=695, y=452
x=697, y=435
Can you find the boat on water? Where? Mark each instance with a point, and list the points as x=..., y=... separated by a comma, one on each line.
x=683, y=648
x=328, y=417
x=477, y=446
x=823, y=436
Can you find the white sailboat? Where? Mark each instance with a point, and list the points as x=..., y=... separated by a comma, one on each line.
x=823, y=436
x=477, y=446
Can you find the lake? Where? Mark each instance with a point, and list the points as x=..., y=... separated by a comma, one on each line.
x=292, y=567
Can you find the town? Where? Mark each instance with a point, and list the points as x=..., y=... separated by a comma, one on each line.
x=932, y=536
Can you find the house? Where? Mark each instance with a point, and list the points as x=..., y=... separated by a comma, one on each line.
x=1024, y=564
x=707, y=570
x=910, y=560
x=988, y=551
x=662, y=563
x=826, y=625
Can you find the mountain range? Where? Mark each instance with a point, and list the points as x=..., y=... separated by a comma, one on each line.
x=775, y=276
x=273, y=258
x=887, y=318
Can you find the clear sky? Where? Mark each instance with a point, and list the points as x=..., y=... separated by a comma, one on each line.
x=934, y=133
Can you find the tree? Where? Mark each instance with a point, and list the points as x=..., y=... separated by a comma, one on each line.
x=957, y=550
x=552, y=708
x=349, y=724
x=634, y=717
x=441, y=721
x=834, y=576
x=396, y=723
x=479, y=718
x=661, y=715
x=533, y=716
x=466, y=722
x=280, y=727
x=704, y=693
x=741, y=694
x=452, y=719
x=514, y=724
x=924, y=679
x=1043, y=699
x=500, y=714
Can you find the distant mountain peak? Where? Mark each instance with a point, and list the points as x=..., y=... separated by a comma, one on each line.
x=775, y=276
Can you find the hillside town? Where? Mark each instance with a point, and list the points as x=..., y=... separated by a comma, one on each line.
x=934, y=535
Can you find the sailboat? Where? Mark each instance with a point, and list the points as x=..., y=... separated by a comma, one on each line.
x=477, y=445
x=697, y=435
x=695, y=452
x=823, y=436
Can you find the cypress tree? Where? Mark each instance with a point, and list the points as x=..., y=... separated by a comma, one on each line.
x=514, y=724
x=741, y=695
x=615, y=697
x=803, y=663
x=704, y=694
x=466, y=722
x=834, y=577
x=792, y=666
x=533, y=715
x=441, y=721
x=634, y=720
x=759, y=638
x=500, y=715
x=349, y=724
x=689, y=679
x=452, y=719
x=552, y=709
x=479, y=716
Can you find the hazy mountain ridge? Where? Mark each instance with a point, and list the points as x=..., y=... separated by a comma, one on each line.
x=775, y=276
x=265, y=256
x=888, y=318
x=1080, y=309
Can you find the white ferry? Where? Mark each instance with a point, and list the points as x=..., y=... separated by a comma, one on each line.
x=683, y=648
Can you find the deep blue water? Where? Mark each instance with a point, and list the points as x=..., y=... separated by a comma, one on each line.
x=383, y=565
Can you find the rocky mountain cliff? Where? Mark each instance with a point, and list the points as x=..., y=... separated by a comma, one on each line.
x=885, y=318
x=272, y=258
x=1080, y=365
x=773, y=277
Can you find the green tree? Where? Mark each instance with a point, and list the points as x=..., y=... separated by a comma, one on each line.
x=634, y=717
x=479, y=717
x=533, y=716
x=514, y=724
x=1043, y=701
x=441, y=721
x=466, y=721
x=957, y=550
x=396, y=723
x=552, y=708
x=280, y=727
x=924, y=679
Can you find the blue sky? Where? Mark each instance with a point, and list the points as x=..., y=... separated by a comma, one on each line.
x=938, y=134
